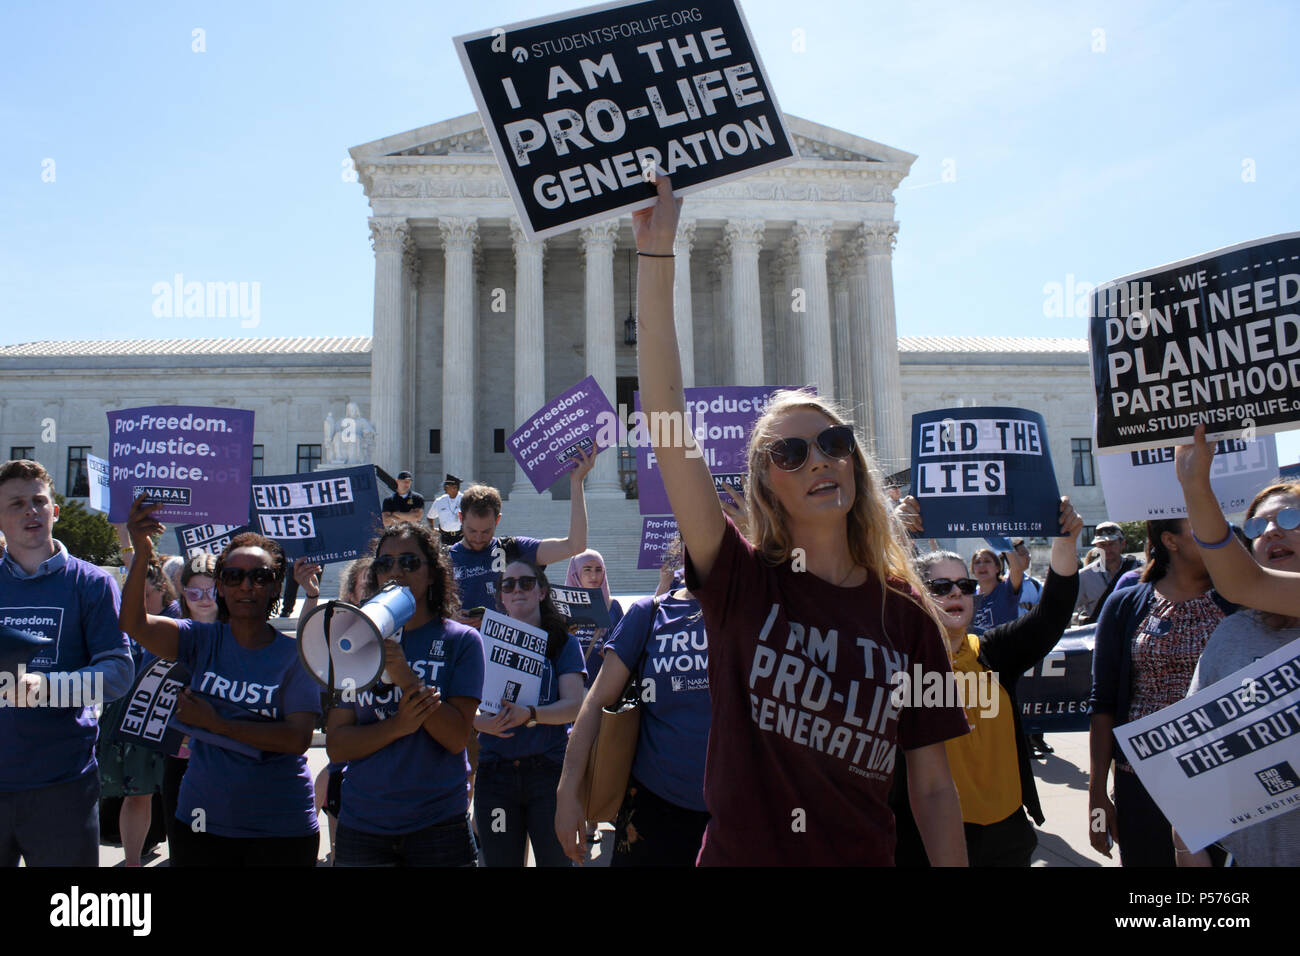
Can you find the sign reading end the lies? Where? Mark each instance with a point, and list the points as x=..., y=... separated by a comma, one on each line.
x=1213, y=340
x=984, y=471
x=580, y=105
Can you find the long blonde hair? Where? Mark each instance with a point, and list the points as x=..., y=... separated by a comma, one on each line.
x=876, y=539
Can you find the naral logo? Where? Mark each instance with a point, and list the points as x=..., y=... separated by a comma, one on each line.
x=162, y=494
x=1278, y=778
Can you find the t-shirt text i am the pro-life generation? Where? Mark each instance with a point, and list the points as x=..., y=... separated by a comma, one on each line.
x=804, y=735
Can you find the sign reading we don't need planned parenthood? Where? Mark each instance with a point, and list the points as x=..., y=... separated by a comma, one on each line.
x=580, y=105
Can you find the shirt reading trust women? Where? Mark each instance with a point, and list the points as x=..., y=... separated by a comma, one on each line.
x=802, y=746
x=665, y=641
x=242, y=796
x=415, y=782
x=475, y=577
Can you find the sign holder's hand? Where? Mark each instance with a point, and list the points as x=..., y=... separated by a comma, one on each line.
x=307, y=574
x=1192, y=462
x=141, y=525
x=908, y=513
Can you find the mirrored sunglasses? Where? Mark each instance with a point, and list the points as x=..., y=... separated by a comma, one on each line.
x=1288, y=519
x=193, y=594
x=789, y=454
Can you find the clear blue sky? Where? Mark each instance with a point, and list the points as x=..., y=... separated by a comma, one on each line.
x=226, y=165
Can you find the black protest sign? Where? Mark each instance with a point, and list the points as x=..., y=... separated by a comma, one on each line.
x=147, y=714
x=1053, y=695
x=579, y=105
x=1212, y=340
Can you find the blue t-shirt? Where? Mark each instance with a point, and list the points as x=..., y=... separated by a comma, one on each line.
x=76, y=605
x=244, y=796
x=997, y=607
x=475, y=579
x=674, y=733
x=596, y=654
x=546, y=740
x=415, y=782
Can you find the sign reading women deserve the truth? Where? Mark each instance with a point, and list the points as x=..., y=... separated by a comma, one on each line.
x=1228, y=757
x=1143, y=486
x=580, y=106
x=984, y=471
x=515, y=657
x=547, y=445
x=1213, y=340
x=196, y=462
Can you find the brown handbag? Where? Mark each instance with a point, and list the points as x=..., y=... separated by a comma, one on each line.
x=609, y=764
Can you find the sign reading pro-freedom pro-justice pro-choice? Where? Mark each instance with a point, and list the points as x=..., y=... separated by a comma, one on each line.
x=579, y=105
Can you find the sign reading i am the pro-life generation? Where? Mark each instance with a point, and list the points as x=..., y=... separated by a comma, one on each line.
x=515, y=658
x=548, y=443
x=580, y=106
x=1227, y=757
x=324, y=516
x=196, y=462
x=1142, y=485
x=1213, y=340
x=984, y=471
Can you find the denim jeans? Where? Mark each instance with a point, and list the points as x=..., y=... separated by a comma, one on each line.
x=514, y=801
x=449, y=843
x=51, y=826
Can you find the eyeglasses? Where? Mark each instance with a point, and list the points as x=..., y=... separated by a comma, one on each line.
x=198, y=594
x=940, y=587
x=526, y=584
x=406, y=561
x=261, y=577
x=1288, y=519
x=789, y=454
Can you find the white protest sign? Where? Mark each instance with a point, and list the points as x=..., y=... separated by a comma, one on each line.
x=515, y=655
x=98, y=468
x=580, y=106
x=1142, y=486
x=1226, y=758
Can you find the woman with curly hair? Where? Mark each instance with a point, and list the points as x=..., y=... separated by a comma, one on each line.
x=246, y=797
x=809, y=615
x=405, y=795
x=521, y=749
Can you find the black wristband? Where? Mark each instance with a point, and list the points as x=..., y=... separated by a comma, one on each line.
x=657, y=255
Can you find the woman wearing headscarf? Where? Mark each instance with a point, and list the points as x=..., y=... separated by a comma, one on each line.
x=587, y=570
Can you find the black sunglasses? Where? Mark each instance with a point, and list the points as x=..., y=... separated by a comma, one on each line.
x=789, y=454
x=1288, y=519
x=261, y=577
x=940, y=587
x=405, y=561
x=526, y=584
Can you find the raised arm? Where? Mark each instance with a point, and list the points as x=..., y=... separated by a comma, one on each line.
x=659, y=370
x=1235, y=574
x=550, y=550
x=158, y=635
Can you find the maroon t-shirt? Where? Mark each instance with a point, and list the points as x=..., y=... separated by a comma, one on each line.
x=802, y=745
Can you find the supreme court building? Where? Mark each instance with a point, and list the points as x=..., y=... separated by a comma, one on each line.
x=783, y=278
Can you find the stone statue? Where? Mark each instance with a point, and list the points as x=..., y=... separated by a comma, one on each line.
x=352, y=442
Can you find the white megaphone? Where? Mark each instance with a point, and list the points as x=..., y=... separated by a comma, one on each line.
x=342, y=645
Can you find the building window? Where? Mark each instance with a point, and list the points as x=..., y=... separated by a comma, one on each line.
x=18, y=452
x=435, y=441
x=1081, y=450
x=78, y=471
x=308, y=458
x=498, y=440
x=259, y=461
x=1086, y=536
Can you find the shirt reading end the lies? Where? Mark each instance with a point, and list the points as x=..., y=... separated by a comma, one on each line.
x=804, y=735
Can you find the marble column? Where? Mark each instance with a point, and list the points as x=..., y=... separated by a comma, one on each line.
x=530, y=338
x=893, y=449
x=723, y=366
x=744, y=239
x=811, y=236
x=838, y=280
x=785, y=369
x=598, y=256
x=388, y=383
x=683, y=317
x=458, y=380
x=410, y=411
x=793, y=337
x=859, y=322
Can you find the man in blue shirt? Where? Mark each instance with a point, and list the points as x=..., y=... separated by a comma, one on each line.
x=49, y=781
x=478, y=557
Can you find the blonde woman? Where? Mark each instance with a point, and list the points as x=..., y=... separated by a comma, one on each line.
x=808, y=620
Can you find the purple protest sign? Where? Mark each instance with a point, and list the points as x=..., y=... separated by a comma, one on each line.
x=195, y=461
x=546, y=445
x=657, y=533
x=721, y=417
